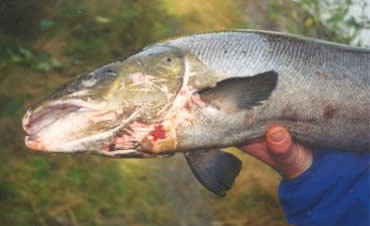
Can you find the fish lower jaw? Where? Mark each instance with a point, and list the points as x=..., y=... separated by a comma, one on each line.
x=33, y=143
x=132, y=153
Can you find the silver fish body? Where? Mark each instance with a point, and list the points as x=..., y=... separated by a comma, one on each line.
x=322, y=93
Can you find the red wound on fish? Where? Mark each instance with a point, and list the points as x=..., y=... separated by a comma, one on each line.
x=158, y=133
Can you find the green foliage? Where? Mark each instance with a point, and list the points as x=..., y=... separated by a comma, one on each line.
x=11, y=105
x=21, y=19
x=125, y=25
x=45, y=24
x=334, y=15
x=36, y=60
x=327, y=19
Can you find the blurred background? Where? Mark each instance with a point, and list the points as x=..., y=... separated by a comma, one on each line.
x=44, y=43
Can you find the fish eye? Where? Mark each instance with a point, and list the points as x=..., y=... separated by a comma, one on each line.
x=89, y=83
x=110, y=72
x=169, y=59
x=89, y=80
x=89, y=76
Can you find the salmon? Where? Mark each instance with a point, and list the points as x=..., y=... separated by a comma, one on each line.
x=199, y=93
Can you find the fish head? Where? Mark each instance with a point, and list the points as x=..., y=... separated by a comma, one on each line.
x=117, y=110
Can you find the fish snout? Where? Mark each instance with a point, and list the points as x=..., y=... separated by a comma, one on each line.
x=31, y=141
x=34, y=143
x=26, y=121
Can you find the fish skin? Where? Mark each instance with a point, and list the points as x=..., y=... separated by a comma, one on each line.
x=322, y=96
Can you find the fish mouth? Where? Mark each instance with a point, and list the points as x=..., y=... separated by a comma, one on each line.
x=37, y=123
x=36, y=120
x=33, y=122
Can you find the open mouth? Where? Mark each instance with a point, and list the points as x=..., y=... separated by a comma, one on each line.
x=35, y=121
x=69, y=127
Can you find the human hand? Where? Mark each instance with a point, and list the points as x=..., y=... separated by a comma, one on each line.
x=278, y=151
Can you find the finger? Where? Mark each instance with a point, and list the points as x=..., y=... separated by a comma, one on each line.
x=300, y=161
x=291, y=159
x=279, y=142
x=259, y=150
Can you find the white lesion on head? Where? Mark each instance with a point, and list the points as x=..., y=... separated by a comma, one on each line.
x=148, y=83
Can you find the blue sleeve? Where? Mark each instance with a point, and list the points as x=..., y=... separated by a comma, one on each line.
x=334, y=191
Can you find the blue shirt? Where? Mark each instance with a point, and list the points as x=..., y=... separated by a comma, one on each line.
x=334, y=191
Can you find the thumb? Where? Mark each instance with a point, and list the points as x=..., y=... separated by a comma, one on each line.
x=290, y=159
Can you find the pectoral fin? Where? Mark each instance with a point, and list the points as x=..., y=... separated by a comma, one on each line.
x=216, y=170
x=241, y=92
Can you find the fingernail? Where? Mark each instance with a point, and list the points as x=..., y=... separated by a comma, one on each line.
x=277, y=136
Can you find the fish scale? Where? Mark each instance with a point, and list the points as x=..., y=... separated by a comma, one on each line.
x=270, y=50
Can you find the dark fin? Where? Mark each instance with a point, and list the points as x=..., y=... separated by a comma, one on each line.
x=216, y=170
x=242, y=92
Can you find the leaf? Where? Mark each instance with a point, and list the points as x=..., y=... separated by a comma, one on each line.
x=26, y=53
x=308, y=22
x=102, y=20
x=46, y=24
